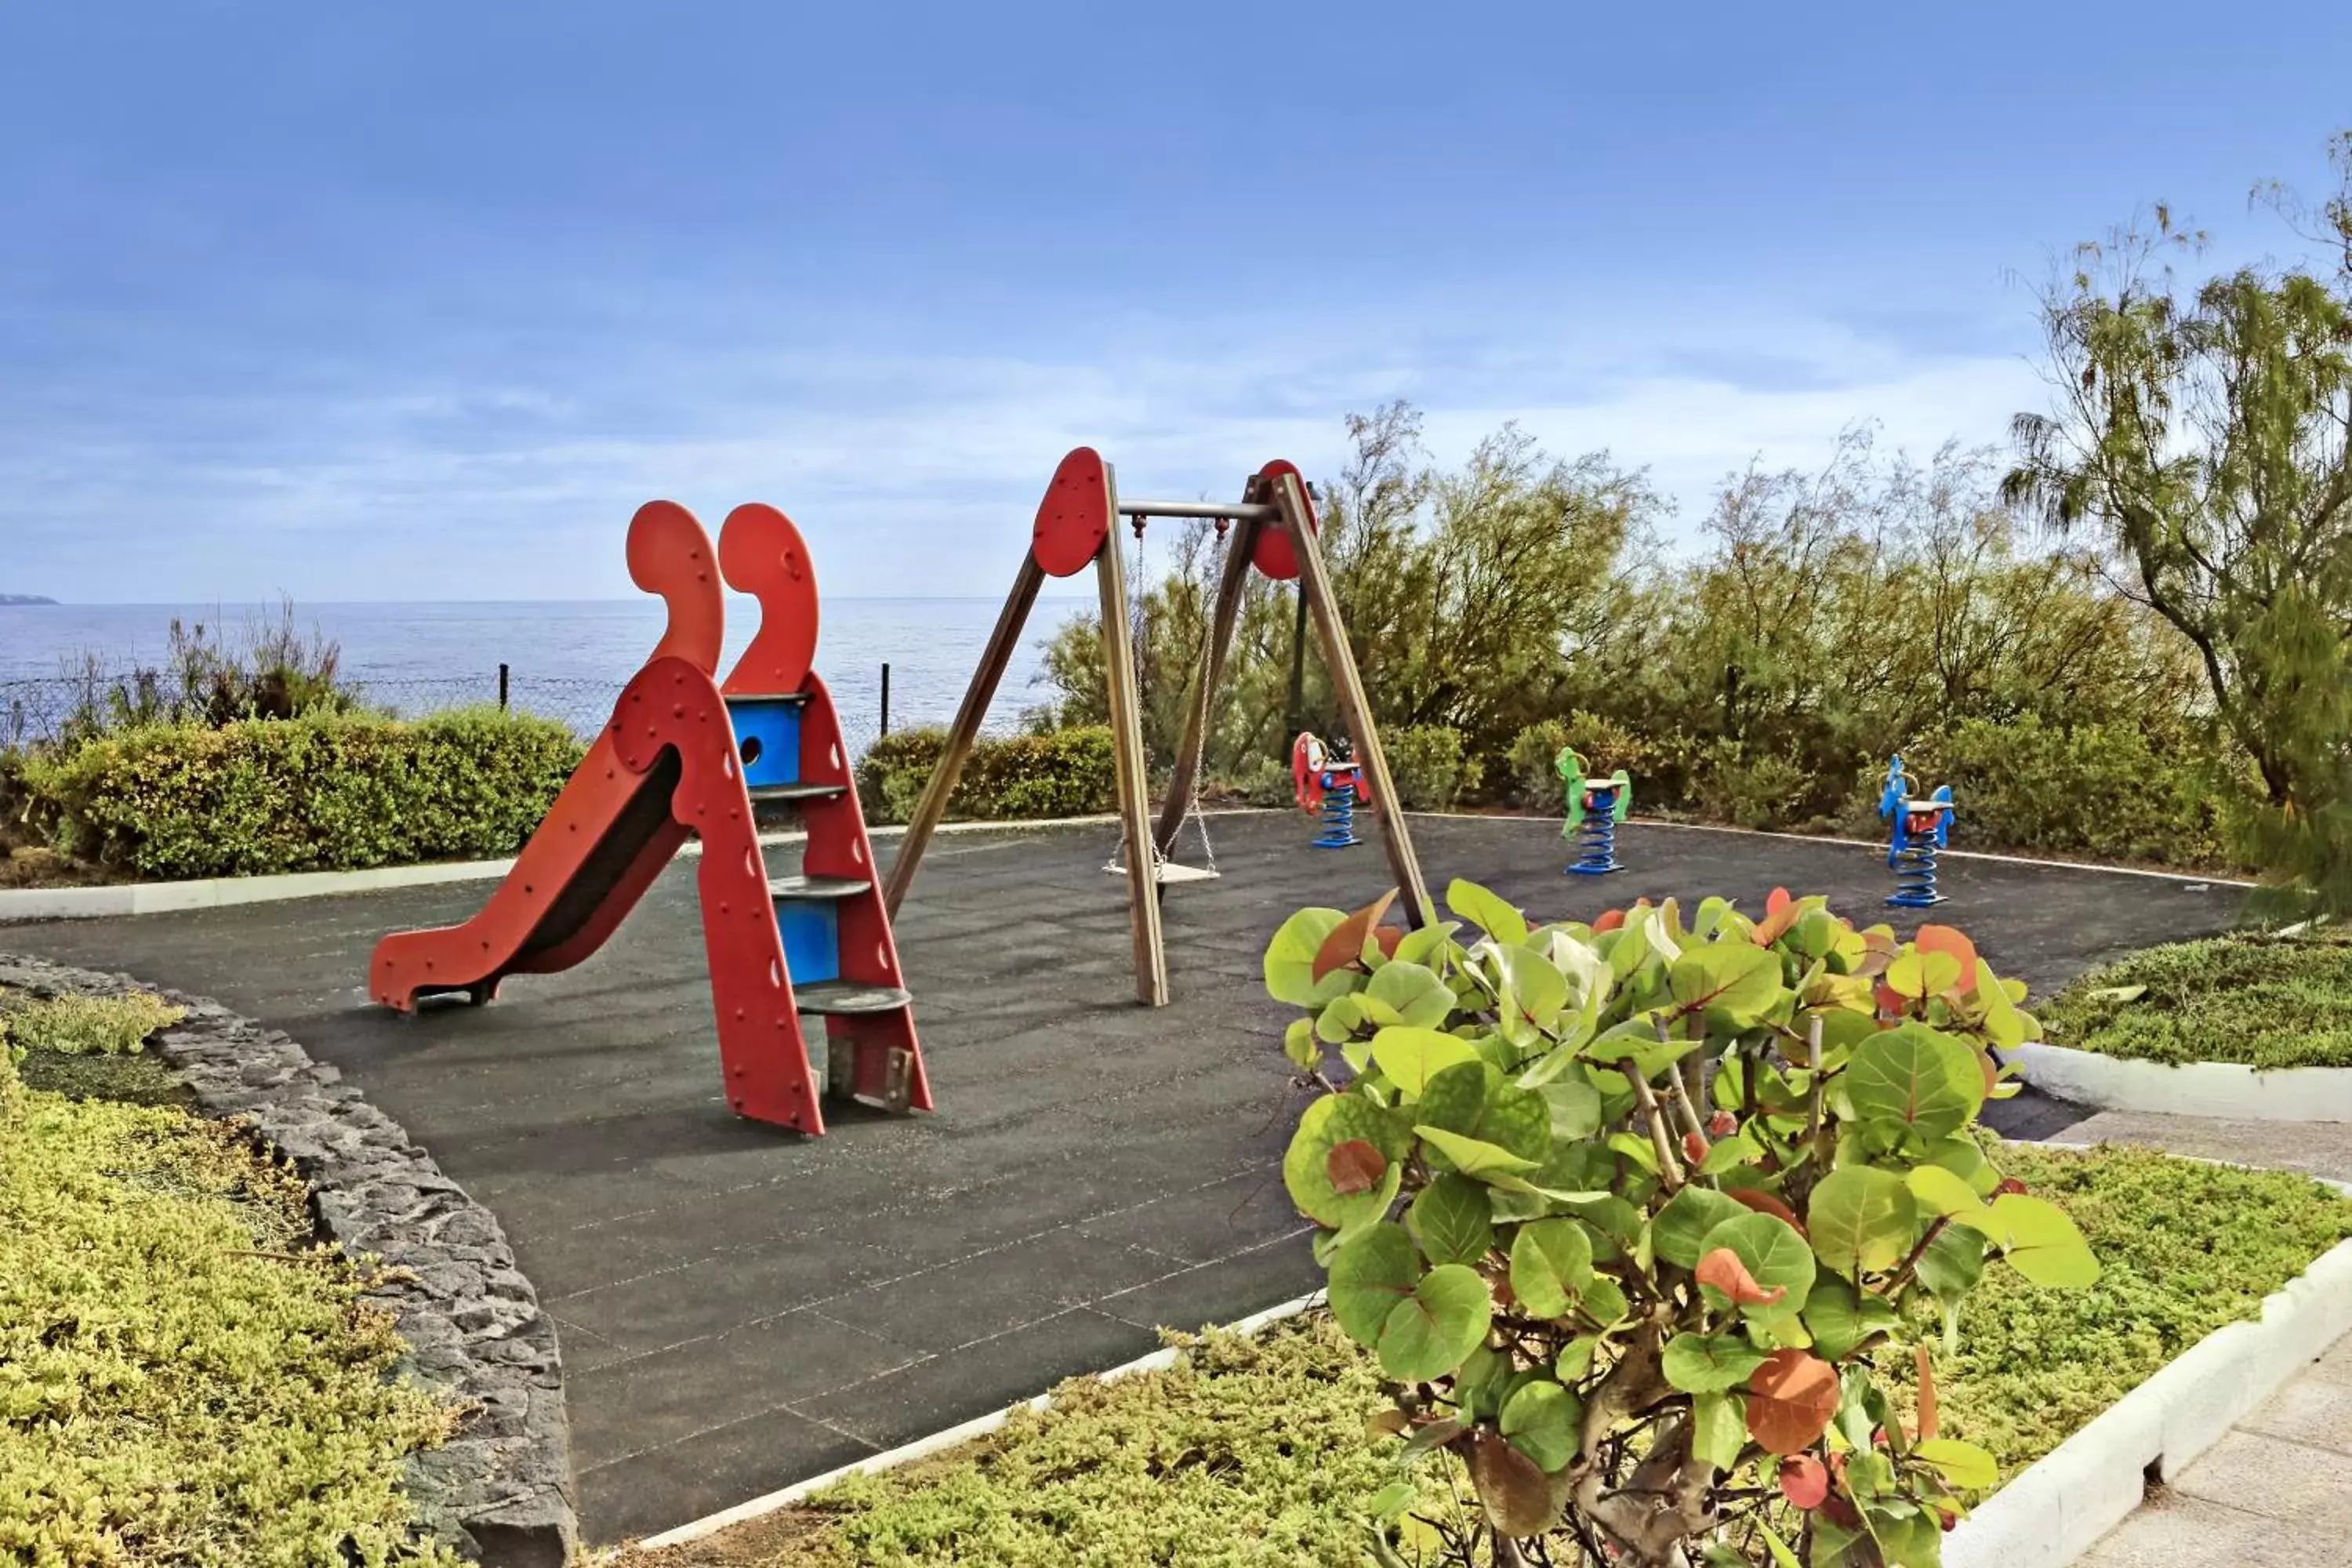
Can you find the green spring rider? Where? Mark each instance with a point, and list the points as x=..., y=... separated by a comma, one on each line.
x=1595, y=808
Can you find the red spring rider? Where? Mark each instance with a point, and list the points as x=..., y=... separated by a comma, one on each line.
x=1329, y=781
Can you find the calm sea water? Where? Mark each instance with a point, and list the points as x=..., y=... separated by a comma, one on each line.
x=585, y=650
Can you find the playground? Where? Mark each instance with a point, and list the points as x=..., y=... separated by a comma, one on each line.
x=742, y=1307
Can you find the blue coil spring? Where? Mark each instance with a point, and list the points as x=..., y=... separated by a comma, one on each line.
x=1596, y=846
x=1338, y=818
x=1914, y=876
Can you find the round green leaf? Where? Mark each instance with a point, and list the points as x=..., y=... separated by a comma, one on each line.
x=1914, y=1080
x=1718, y=1428
x=1487, y=911
x=1552, y=1264
x=1575, y=1106
x=1840, y=1318
x=1940, y=1192
x=1545, y=1422
x=1413, y=992
x=1963, y=1466
x=1431, y=1333
x=1774, y=1254
x=1452, y=1221
x=1475, y=1156
x=1474, y=1100
x=1684, y=1223
x=1334, y=1120
x=1861, y=1219
x=1290, y=959
x=1370, y=1275
x=2043, y=1243
x=1953, y=1263
x=1732, y=982
x=1710, y=1363
x=1409, y=1056
x=1533, y=992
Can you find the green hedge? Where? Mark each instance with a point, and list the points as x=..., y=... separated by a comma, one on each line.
x=1063, y=773
x=1427, y=764
x=324, y=791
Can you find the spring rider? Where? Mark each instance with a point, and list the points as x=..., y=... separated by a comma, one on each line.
x=1923, y=827
x=1329, y=781
x=1595, y=808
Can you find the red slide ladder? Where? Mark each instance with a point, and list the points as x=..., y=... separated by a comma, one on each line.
x=686, y=758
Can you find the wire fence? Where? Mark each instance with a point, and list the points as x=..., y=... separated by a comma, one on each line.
x=42, y=710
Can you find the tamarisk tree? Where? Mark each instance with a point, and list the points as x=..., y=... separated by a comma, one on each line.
x=1639, y=1216
x=2205, y=434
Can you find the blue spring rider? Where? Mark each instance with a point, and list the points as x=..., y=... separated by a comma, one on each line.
x=1330, y=781
x=1923, y=828
x=1595, y=808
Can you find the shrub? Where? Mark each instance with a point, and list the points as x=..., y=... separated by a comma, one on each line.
x=1530, y=765
x=1752, y=789
x=2258, y=1000
x=188, y=1381
x=86, y=1025
x=1638, y=1219
x=2107, y=791
x=1426, y=764
x=1062, y=773
x=323, y=791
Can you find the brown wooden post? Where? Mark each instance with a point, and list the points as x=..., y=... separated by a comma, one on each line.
x=1127, y=751
x=1002, y=642
x=1220, y=633
x=1340, y=660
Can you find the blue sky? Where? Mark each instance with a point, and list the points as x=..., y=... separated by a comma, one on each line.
x=420, y=300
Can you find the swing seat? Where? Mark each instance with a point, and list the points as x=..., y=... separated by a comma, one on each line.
x=1168, y=871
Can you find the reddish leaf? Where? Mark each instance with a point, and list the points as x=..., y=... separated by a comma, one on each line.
x=1780, y=912
x=1765, y=1203
x=1388, y=937
x=1945, y=939
x=2008, y=1185
x=1791, y=1400
x=1610, y=920
x=1345, y=946
x=1520, y=1499
x=1891, y=1002
x=1947, y=1519
x=1355, y=1167
x=1723, y=1124
x=1694, y=1147
x=1723, y=1269
x=1926, y=1397
x=1804, y=1480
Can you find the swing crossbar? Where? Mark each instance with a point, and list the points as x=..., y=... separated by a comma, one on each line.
x=1239, y=510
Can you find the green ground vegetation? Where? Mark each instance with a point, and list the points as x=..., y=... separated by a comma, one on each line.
x=1256, y=1452
x=186, y=1377
x=2256, y=1000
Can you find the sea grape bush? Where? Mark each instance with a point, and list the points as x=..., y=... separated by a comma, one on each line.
x=1638, y=1217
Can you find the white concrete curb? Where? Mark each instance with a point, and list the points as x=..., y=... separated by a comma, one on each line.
x=2191, y=1089
x=923, y=1447
x=2063, y=1503
x=1880, y=845
x=219, y=893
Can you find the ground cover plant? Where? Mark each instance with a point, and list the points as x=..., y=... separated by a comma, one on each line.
x=1256, y=1451
x=1641, y=1218
x=2257, y=1000
x=185, y=1378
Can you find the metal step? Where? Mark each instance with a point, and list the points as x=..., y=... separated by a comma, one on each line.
x=840, y=996
x=798, y=791
x=817, y=886
x=791, y=698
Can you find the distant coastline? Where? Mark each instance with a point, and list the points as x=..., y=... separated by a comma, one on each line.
x=24, y=599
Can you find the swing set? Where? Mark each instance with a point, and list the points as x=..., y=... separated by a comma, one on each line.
x=1272, y=530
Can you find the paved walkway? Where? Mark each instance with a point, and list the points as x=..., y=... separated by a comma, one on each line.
x=740, y=1308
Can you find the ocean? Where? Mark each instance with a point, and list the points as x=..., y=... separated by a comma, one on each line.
x=569, y=659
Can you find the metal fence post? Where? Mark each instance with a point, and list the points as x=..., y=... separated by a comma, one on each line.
x=502, y=686
x=886, y=697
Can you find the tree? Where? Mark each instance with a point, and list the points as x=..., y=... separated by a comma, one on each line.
x=2204, y=434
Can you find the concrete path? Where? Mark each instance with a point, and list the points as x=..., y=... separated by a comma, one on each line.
x=741, y=1310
